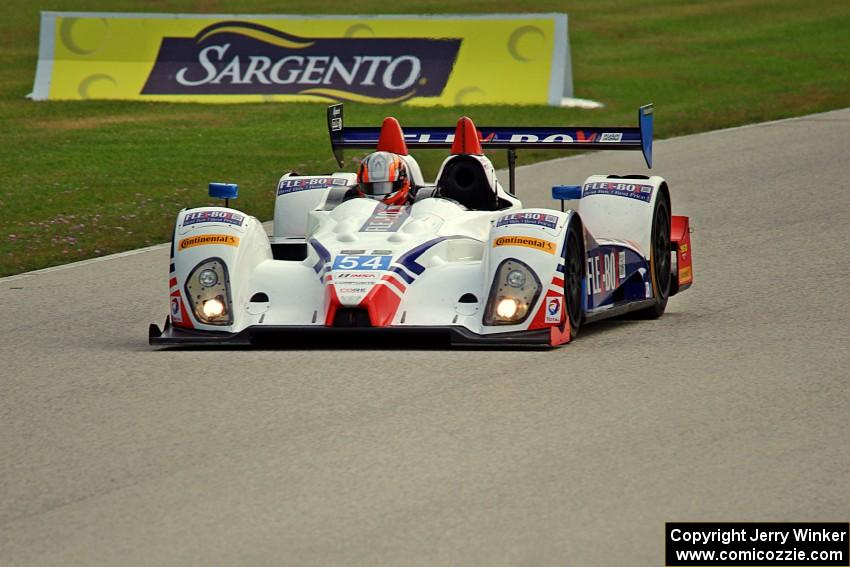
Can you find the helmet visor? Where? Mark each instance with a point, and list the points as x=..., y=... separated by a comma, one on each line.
x=380, y=187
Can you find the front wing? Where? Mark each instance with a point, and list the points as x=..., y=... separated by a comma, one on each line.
x=313, y=336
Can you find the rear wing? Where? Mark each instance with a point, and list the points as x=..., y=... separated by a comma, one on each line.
x=511, y=138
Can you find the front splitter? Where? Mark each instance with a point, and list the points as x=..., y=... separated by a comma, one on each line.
x=315, y=335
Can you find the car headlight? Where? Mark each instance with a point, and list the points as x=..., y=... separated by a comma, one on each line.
x=213, y=308
x=208, y=277
x=208, y=291
x=507, y=308
x=513, y=294
x=516, y=278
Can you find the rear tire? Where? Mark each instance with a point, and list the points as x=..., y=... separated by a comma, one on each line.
x=574, y=263
x=659, y=261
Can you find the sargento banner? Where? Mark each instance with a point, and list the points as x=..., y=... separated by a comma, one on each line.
x=419, y=60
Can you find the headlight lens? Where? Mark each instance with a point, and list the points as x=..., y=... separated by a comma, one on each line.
x=516, y=278
x=507, y=308
x=513, y=294
x=208, y=278
x=208, y=291
x=213, y=308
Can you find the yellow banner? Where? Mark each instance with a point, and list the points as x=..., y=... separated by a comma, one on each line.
x=417, y=60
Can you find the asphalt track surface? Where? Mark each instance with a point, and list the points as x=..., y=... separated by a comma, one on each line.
x=733, y=406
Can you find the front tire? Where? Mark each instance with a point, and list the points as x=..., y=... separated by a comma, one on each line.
x=659, y=261
x=574, y=263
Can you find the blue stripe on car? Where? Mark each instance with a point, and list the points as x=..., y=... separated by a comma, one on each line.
x=404, y=275
x=324, y=255
x=408, y=259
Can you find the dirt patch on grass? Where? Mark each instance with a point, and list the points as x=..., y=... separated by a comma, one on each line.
x=90, y=122
x=86, y=122
x=208, y=6
x=809, y=99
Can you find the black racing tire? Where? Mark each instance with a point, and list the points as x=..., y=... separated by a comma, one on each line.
x=574, y=276
x=659, y=261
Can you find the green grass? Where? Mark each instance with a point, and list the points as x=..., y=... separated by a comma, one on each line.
x=83, y=179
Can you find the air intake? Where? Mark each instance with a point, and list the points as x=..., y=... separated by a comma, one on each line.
x=350, y=317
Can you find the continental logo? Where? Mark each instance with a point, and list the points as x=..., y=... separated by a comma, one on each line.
x=205, y=239
x=526, y=241
x=243, y=58
x=685, y=275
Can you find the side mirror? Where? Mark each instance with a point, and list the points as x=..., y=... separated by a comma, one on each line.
x=224, y=191
x=566, y=192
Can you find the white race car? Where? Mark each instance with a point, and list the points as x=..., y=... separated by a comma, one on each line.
x=462, y=259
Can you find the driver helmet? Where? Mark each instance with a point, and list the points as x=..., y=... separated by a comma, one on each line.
x=384, y=176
